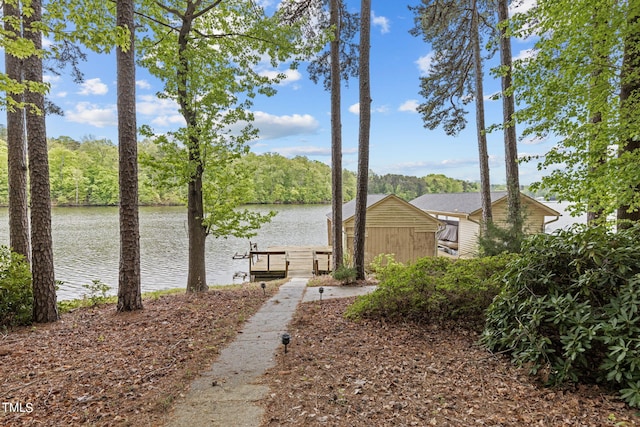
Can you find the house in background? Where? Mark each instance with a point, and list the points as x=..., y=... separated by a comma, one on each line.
x=393, y=226
x=462, y=212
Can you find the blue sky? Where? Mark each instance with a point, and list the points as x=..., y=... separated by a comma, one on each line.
x=296, y=121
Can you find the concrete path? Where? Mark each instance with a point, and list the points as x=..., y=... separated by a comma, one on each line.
x=226, y=394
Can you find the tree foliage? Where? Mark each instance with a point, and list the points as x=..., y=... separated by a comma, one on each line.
x=574, y=72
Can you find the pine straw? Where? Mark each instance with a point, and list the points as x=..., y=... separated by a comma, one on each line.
x=372, y=373
x=98, y=367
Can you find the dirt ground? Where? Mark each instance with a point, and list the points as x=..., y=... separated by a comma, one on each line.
x=99, y=368
x=371, y=373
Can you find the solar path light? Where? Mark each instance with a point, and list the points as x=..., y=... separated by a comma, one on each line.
x=321, y=290
x=286, y=339
x=263, y=286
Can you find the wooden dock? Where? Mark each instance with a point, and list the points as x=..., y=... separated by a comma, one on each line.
x=278, y=262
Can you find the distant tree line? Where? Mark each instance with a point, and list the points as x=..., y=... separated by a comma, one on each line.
x=85, y=173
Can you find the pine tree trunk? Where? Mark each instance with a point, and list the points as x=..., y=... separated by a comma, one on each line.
x=514, y=214
x=129, y=292
x=485, y=180
x=363, y=143
x=629, y=91
x=44, y=291
x=16, y=151
x=336, y=141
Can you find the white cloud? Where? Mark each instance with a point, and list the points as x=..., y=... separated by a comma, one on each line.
x=143, y=84
x=380, y=21
x=272, y=126
x=93, y=87
x=291, y=76
x=165, y=112
x=424, y=63
x=309, y=150
x=62, y=94
x=525, y=54
x=87, y=113
x=521, y=6
x=48, y=78
x=410, y=105
x=355, y=109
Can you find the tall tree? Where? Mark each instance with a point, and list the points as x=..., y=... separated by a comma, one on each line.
x=16, y=149
x=334, y=65
x=207, y=55
x=514, y=214
x=454, y=30
x=574, y=74
x=629, y=104
x=44, y=291
x=336, y=139
x=129, y=292
x=363, y=140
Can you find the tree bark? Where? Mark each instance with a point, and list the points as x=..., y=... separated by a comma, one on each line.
x=514, y=214
x=44, y=291
x=485, y=180
x=629, y=91
x=363, y=141
x=16, y=151
x=129, y=292
x=197, y=274
x=336, y=140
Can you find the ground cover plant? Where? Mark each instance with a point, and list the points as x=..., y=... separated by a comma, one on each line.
x=569, y=309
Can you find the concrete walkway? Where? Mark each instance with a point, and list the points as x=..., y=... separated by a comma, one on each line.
x=226, y=394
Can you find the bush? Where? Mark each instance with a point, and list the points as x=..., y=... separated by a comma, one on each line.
x=570, y=304
x=345, y=274
x=16, y=295
x=433, y=289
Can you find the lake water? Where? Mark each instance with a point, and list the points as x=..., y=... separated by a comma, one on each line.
x=86, y=244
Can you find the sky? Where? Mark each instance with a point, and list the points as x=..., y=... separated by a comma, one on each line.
x=296, y=121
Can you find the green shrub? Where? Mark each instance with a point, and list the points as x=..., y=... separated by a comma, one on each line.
x=16, y=295
x=570, y=304
x=433, y=289
x=98, y=292
x=345, y=274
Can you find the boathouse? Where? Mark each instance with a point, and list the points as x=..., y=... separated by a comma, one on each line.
x=393, y=226
x=462, y=213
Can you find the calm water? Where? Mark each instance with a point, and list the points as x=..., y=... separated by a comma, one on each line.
x=86, y=244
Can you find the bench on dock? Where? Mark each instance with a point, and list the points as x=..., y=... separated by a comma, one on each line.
x=319, y=264
x=268, y=265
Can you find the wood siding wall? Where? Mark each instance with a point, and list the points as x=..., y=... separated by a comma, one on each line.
x=395, y=227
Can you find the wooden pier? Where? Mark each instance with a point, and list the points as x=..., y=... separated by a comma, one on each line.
x=278, y=262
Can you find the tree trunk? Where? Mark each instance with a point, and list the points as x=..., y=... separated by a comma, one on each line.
x=16, y=151
x=44, y=291
x=629, y=92
x=514, y=214
x=129, y=292
x=363, y=142
x=197, y=275
x=485, y=180
x=336, y=140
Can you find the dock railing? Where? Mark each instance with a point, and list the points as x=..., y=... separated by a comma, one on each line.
x=257, y=268
x=319, y=264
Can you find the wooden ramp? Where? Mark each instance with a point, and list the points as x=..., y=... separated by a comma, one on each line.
x=289, y=261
